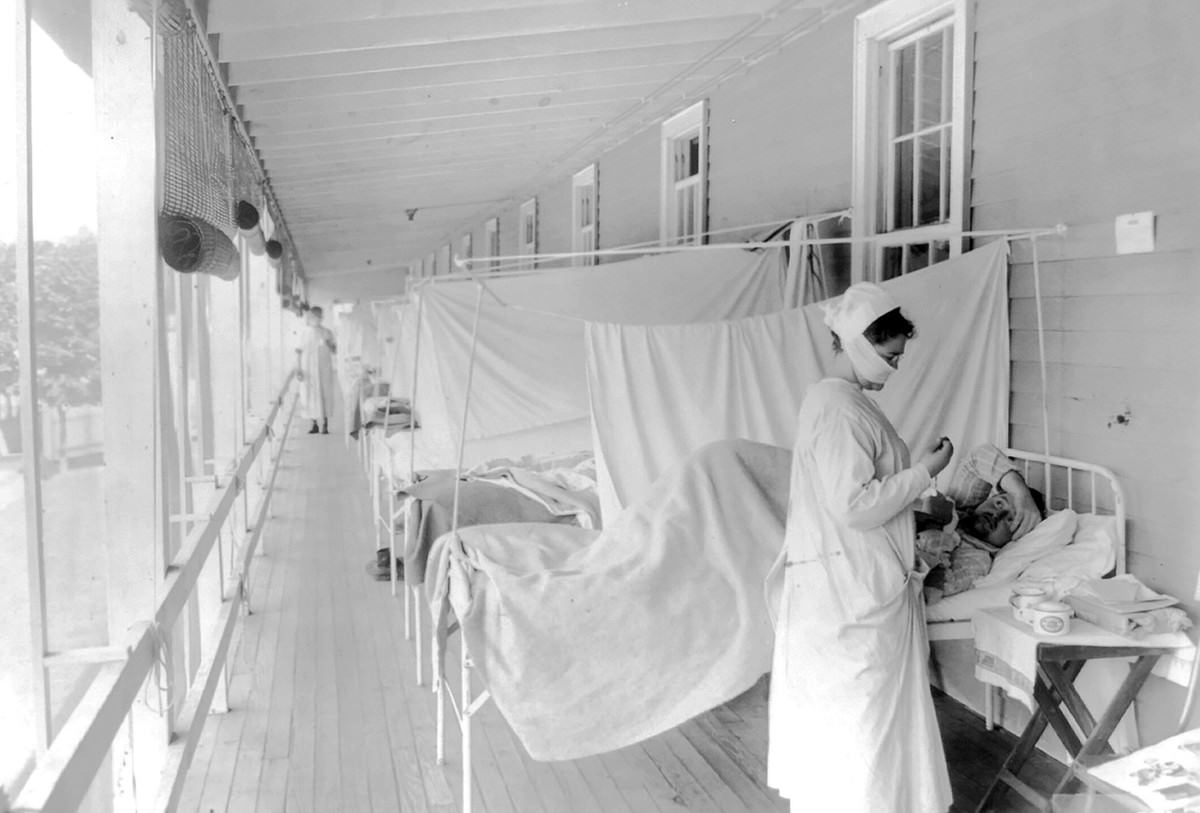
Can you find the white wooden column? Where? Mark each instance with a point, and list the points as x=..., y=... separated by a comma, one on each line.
x=31, y=446
x=225, y=353
x=136, y=479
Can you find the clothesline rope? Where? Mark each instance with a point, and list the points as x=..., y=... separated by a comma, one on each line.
x=463, y=263
x=523, y=265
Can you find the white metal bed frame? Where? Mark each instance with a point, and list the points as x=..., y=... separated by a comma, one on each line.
x=1057, y=473
x=1066, y=483
x=1058, y=483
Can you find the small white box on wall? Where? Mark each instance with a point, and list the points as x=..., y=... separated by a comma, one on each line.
x=1135, y=233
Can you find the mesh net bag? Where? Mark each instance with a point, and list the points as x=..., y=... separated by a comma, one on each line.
x=196, y=222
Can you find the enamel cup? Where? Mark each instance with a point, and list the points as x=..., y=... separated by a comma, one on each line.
x=1050, y=618
x=1023, y=599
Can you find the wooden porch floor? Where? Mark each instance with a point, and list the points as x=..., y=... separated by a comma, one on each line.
x=326, y=715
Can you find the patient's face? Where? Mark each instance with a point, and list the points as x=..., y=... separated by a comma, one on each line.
x=989, y=521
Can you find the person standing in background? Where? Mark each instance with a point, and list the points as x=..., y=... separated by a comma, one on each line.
x=317, y=349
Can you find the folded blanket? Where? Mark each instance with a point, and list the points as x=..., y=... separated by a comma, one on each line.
x=591, y=641
x=562, y=492
x=479, y=501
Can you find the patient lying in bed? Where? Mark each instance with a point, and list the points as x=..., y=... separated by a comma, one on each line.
x=992, y=507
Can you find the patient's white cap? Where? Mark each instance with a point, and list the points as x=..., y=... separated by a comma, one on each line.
x=851, y=313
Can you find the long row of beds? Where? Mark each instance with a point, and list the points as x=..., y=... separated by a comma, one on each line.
x=582, y=636
x=591, y=638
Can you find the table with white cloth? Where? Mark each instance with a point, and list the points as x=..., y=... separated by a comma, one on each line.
x=1040, y=671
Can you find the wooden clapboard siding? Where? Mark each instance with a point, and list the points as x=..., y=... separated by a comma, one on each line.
x=780, y=135
x=629, y=194
x=1083, y=111
x=779, y=147
x=554, y=214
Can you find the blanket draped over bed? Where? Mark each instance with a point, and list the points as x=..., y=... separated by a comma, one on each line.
x=590, y=641
x=478, y=501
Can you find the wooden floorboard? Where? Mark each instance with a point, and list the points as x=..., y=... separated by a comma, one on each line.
x=326, y=714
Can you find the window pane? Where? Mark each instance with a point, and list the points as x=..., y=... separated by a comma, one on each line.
x=904, y=77
x=941, y=251
x=946, y=174
x=932, y=65
x=693, y=156
x=891, y=265
x=929, y=192
x=947, y=74
x=918, y=257
x=902, y=189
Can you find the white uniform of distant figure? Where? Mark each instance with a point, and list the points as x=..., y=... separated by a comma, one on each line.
x=852, y=723
x=317, y=349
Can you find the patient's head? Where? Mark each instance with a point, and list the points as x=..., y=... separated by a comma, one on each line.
x=991, y=519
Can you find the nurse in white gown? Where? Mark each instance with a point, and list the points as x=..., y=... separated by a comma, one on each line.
x=852, y=724
x=316, y=371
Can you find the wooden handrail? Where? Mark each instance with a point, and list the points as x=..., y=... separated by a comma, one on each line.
x=66, y=770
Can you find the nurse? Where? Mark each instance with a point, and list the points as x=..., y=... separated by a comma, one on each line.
x=852, y=724
x=316, y=371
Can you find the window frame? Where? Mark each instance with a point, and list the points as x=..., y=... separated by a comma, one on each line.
x=444, y=260
x=874, y=31
x=528, y=247
x=585, y=238
x=491, y=239
x=691, y=121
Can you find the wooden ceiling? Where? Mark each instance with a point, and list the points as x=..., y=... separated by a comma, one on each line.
x=362, y=109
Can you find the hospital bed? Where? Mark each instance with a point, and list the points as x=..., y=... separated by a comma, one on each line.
x=1086, y=488
x=549, y=489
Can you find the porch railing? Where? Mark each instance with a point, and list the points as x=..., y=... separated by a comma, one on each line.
x=64, y=774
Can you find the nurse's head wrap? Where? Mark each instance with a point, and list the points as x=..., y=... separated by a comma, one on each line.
x=851, y=314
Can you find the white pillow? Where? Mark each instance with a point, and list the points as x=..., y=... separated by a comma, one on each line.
x=1051, y=534
x=1091, y=554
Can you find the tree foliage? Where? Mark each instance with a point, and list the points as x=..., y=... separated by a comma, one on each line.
x=67, y=320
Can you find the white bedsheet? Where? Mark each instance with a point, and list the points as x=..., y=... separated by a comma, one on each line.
x=658, y=392
x=590, y=641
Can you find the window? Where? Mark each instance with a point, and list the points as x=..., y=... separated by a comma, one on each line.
x=429, y=266
x=464, y=252
x=911, y=122
x=491, y=236
x=684, y=205
x=443, y=265
x=585, y=210
x=527, y=238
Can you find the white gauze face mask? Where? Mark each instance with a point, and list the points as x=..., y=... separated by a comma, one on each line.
x=866, y=361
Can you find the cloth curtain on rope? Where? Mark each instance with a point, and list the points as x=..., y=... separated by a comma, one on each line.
x=530, y=358
x=658, y=392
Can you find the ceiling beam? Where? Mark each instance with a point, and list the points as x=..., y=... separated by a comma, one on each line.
x=349, y=35
x=453, y=79
x=318, y=117
x=418, y=147
x=238, y=15
x=583, y=51
x=406, y=173
x=402, y=132
x=492, y=115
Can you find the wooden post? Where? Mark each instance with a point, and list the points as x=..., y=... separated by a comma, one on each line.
x=31, y=441
x=137, y=481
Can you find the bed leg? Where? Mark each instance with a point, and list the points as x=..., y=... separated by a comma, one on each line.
x=989, y=707
x=465, y=703
x=391, y=539
x=420, y=638
x=440, y=698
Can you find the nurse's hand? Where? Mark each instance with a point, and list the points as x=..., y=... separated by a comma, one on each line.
x=938, y=456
